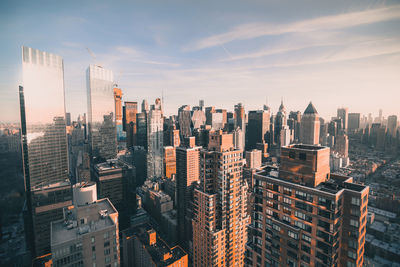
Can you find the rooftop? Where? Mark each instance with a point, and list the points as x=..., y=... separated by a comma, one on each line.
x=68, y=229
x=306, y=147
x=160, y=248
x=310, y=109
x=111, y=164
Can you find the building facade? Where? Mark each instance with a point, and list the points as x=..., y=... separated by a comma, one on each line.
x=305, y=216
x=310, y=126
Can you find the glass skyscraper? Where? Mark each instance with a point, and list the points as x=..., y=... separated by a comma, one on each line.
x=44, y=143
x=101, y=113
x=44, y=131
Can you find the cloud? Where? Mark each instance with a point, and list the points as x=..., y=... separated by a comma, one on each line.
x=345, y=20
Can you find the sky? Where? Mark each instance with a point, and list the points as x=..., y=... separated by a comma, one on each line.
x=333, y=53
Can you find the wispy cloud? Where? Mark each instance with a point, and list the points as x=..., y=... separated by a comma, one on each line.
x=345, y=20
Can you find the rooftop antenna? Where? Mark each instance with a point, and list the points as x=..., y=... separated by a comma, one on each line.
x=93, y=56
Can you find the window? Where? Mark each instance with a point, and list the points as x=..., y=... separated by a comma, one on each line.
x=287, y=200
x=352, y=243
x=106, y=235
x=299, y=215
x=270, y=195
x=276, y=227
x=293, y=235
x=303, y=156
x=300, y=224
x=93, y=239
x=351, y=264
x=107, y=243
x=352, y=254
x=355, y=201
x=93, y=248
x=287, y=191
x=354, y=223
x=292, y=154
x=306, y=238
x=286, y=219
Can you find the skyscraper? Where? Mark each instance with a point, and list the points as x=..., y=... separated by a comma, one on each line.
x=187, y=176
x=220, y=203
x=257, y=128
x=392, y=125
x=343, y=113
x=310, y=126
x=155, y=141
x=101, y=113
x=44, y=145
x=118, y=111
x=354, y=121
x=305, y=216
x=279, y=122
x=130, y=123
x=240, y=120
x=184, y=119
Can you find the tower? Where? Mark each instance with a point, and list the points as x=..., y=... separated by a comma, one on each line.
x=310, y=126
x=101, y=113
x=44, y=145
x=220, y=205
x=155, y=141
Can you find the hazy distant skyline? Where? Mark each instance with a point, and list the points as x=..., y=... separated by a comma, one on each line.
x=333, y=53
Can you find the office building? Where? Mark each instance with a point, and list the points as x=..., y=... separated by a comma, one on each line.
x=392, y=125
x=209, y=111
x=342, y=145
x=354, y=121
x=130, y=123
x=240, y=122
x=220, y=205
x=343, y=113
x=305, y=216
x=88, y=233
x=118, y=112
x=198, y=119
x=294, y=124
x=280, y=121
x=310, y=126
x=169, y=161
x=44, y=145
x=101, y=113
x=116, y=181
x=187, y=176
x=257, y=128
x=141, y=129
x=155, y=141
x=143, y=247
x=184, y=120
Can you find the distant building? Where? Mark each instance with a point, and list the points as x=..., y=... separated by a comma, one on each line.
x=310, y=126
x=155, y=141
x=305, y=216
x=240, y=122
x=343, y=113
x=184, y=119
x=354, y=121
x=88, y=233
x=257, y=128
x=130, y=123
x=101, y=113
x=118, y=112
x=342, y=145
x=392, y=125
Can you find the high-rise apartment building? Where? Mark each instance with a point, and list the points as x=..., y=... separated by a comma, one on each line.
x=187, y=176
x=88, y=233
x=305, y=216
x=310, y=126
x=342, y=145
x=44, y=145
x=155, y=141
x=101, y=113
x=343, y=113
x=257, y=128
x=130, y=124
x=220, y=203
x=169, y=161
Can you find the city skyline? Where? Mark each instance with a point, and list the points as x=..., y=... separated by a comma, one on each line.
x=345, y=52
